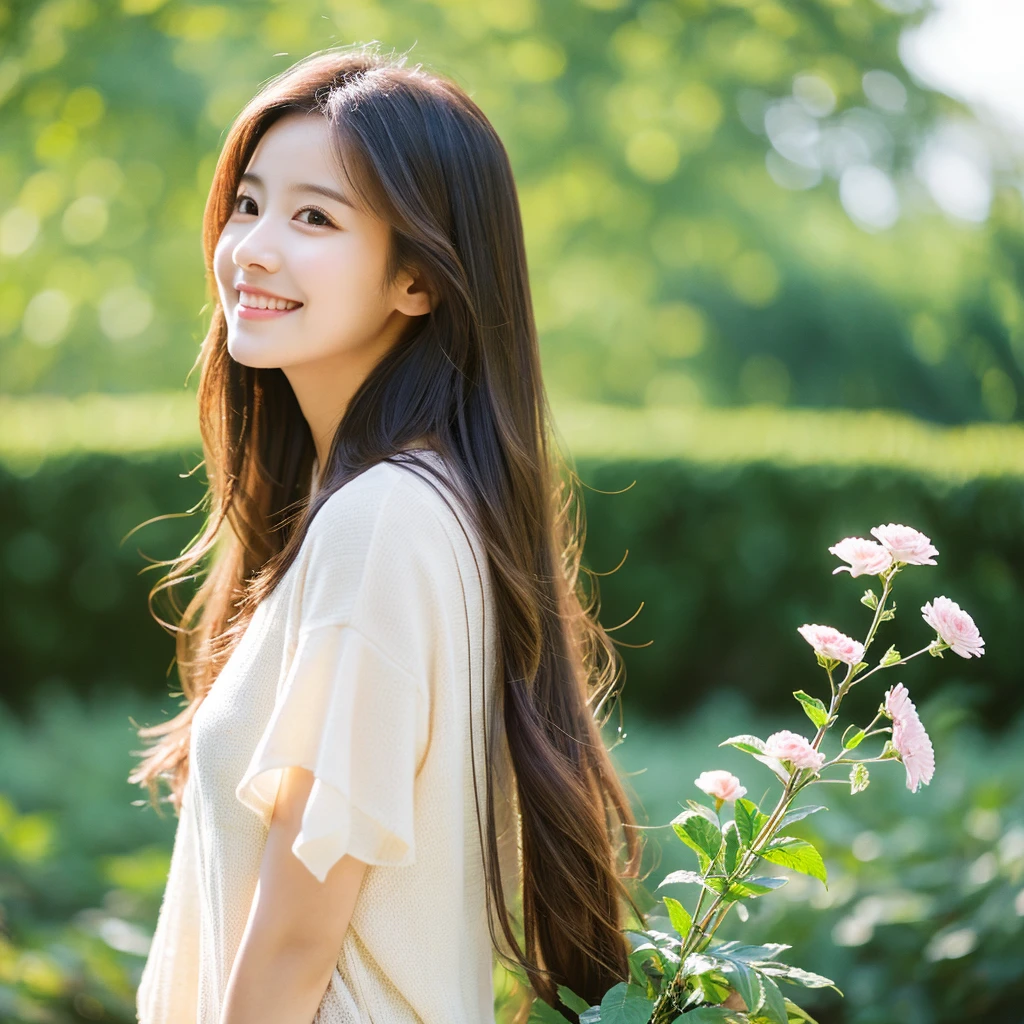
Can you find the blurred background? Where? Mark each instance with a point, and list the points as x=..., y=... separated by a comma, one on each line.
x=776, y=251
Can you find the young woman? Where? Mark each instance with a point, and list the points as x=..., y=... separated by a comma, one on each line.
x=392, y=671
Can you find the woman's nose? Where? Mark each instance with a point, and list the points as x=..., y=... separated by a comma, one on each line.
x=258, y=247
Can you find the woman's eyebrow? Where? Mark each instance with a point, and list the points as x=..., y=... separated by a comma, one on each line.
x=320, y=190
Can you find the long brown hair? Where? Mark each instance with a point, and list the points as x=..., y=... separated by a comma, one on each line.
x=421, y=155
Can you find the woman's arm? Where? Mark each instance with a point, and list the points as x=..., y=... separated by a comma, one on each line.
x=296, y=924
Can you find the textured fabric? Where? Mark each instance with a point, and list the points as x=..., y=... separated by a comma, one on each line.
x=367, y=665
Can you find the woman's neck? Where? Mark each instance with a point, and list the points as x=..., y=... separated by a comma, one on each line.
x=419, y=443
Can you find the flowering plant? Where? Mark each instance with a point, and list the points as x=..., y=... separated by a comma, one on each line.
x=684, y=975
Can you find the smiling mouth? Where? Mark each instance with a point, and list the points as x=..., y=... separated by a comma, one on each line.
x=264, y=304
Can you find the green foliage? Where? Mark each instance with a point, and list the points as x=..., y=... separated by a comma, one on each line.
x=713, y=1015
x=795, y=814
x=640, y=136
x=573, y=1001
x=813, y=708
x=542, y=1013
x=678, y=915
x=853, y=739
x=796, y=854
x=698, y=833
x=755, y=885
x=624, y=1004
x=749, y=820
x=82, y=871
x=922, y=919
x=731, y=847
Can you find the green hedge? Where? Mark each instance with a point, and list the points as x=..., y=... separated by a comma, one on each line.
x=727, y=525
x=33, y=430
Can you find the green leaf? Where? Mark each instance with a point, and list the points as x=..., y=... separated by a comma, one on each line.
x=712, y=1015
x=749, y=820
x=744, y=979
x=624, y=1004
x=859, y=778
x=870, y=599
x=750, y=744
x=798, y=813
x=764, y=953
x=701, y=963
x=796, y=854
x=573, y=1001
x=854, y=740
x=708, y=987
x=891, y=656
x=541, y=1013
x=750, y=887
x=797, y=1015
x=798, y=976
x=704, y=811
x=698, y=833
x=731, y=849
x=774, y=1006
x=637, y=959
x=679, y=916
x=813, y=708
x=684, y=877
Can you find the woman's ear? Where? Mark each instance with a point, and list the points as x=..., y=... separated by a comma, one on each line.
x=414, y=298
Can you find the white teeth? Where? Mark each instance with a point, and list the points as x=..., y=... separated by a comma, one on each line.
x=262, y=302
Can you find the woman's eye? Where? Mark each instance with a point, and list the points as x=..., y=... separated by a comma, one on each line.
x=325, y=221
x=317, y=212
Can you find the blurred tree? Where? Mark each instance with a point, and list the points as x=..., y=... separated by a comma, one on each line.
x=732, y=202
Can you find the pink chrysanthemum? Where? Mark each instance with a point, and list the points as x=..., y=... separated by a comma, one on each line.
x=906, y=544
x=866, y=557
x=832, y=643
x=954, y=626
x=721, y=785
x=909, y=737
x=792, y=747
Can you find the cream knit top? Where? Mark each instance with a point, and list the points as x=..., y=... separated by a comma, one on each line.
x=367, y=665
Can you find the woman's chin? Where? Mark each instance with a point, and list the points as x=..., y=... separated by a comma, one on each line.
x=258, y=357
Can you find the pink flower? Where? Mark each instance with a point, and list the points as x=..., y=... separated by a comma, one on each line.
x=909, y=737
x=866, y=557
x=720, y=784
x=954, y=626
x=906, y=544
x=789, y=746
x=833, y=644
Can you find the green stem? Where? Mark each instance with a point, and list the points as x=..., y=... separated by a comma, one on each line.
x=902, y=661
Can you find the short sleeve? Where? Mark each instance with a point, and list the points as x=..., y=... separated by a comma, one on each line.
x=357, y=719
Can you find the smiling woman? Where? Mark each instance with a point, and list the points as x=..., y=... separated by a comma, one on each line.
x=322, y=272
x=392, y=668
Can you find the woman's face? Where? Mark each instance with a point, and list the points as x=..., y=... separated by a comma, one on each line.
x=292, y=234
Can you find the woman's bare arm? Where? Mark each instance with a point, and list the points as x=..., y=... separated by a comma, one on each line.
x=296, y=924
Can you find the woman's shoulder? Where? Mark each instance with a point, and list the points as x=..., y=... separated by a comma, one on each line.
x=398, y=496
x=384, y=534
